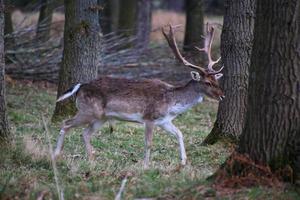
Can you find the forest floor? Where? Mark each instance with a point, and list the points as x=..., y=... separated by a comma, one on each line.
x=26, y=171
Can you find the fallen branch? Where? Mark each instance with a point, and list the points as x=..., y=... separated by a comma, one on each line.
x=55, y=171
x=122, y=188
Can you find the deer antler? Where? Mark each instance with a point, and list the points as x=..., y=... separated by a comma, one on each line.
x=173, y=45
x=207, y=49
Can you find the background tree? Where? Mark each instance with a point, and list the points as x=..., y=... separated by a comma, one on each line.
x=127, y=16
x=109, y=15
x=271, y=133
x=8, y=27
x=193, y=27
x=135, y=20
x=105, y=16
x=177, y=5
x=45, y=19
x=215, y=7
x=143, y=26
x=4, y=129
x=114, y=6
x=236, y=46
x=81, y=49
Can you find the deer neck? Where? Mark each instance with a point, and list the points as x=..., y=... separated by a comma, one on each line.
x=187, y=96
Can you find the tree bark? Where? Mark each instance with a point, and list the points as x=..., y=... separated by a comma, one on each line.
x=4, y=128
x=272, y=128
x=45, y=19
x=81, y=50
x=127, y=16
x=143, y=26
x=236, y=46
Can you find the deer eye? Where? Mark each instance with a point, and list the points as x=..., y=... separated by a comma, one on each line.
x=208, y=83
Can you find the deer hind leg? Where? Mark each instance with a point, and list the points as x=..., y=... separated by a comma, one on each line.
x=92, y=128
x=171, y=129
x=77, y=120
x=149, y=126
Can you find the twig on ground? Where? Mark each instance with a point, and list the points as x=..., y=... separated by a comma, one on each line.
x=121, y=190
x=58, y=188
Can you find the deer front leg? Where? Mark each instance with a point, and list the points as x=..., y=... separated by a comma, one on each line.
x=148, y=142
x=77, y=120
x=87, y=137
x=170, y=128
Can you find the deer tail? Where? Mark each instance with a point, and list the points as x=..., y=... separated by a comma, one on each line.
x=69, y=92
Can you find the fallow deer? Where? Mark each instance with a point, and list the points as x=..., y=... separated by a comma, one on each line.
x=150, y=102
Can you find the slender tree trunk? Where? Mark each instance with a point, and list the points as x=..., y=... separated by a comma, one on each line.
x=45, y=19
x=109, y=16
x=272, y=128
x=8, y=28
x=143, y=26
x=4, y=129
x=193, y=28
x=236, y=46
x=127, y=16
x=81, y=50
x=114, y=10
x=105, y=16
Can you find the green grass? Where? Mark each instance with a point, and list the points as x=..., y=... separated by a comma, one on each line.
x=26, y=169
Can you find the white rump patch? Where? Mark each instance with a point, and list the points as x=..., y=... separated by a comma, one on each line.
x=68, y=94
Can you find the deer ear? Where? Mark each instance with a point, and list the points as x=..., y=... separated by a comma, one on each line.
x=195, y=76
x=219, y=75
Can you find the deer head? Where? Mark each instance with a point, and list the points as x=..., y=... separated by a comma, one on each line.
x=207, y=77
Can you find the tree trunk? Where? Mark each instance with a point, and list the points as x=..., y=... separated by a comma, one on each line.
x=4, y=129
x=236, y=46
x=81, y=50
x=45, y=19
x=114, y=10
x=193, y=29
x=272, y=127
x=194, y=24
x=127, y=16
x=143, y=26
x=8, y=29
x=105, y=16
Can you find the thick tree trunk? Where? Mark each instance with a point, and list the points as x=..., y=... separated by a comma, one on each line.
x=127, y=16
x=272, y=128
x=45, y=19
x=236, y=46
x=81, y=49
x=143, y=26
x=193, y=28
x=4, y=129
